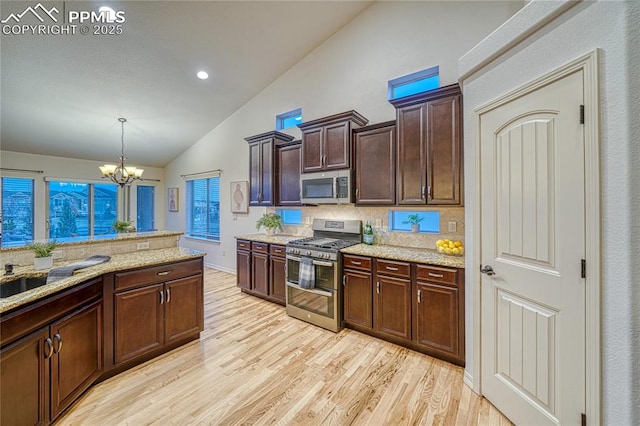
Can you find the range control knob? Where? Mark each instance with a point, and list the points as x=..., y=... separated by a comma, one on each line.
x=308, y=253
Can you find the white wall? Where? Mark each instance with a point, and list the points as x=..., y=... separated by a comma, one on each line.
x=614, y=27
x=348, y=71
x=71, y=168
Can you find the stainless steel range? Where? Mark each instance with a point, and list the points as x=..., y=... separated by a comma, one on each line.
x=314, y=293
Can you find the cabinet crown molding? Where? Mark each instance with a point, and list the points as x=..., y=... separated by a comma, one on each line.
x=278, y=136
x=352, y=115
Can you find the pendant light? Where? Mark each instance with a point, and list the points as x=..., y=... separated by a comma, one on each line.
x=119, y=173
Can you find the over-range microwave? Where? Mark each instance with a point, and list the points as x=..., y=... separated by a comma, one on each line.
x=333, y=187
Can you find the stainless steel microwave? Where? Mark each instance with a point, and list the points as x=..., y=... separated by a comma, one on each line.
x=333, y=187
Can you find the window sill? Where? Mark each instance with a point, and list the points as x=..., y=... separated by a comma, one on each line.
x=202, y=240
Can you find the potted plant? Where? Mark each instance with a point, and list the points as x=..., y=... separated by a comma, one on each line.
x=414, y=220
x=44, y=253
x=122, y=226
x=270, y=221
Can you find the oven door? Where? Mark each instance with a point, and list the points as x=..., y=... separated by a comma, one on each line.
x=319, y=305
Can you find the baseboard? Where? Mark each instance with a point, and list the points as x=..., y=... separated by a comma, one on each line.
x=468, y=380
x=220, y=268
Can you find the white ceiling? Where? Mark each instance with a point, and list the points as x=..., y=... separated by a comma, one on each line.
x=61, y=95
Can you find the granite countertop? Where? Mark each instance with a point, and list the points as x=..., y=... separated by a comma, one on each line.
x=118, y=262
x=408, y=254
x=271, y=239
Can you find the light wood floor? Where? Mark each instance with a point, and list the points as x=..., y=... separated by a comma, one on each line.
x=255, y=365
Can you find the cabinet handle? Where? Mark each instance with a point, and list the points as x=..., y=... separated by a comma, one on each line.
x=161, y=297
x=163, y=273
x=48, y=352
x=168, y=295
x=423, y=192
x=429, y=191
x=355, y=262
x=59, y=339
x=344, y=280
x=357, y=193
x=391, y=268
x=378, y=287
x=431, y=274
x=419, y=296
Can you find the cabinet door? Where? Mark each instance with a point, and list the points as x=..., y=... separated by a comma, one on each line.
x=255, y=174
x=77, y=360
x=289, y=165
x=312, y=155
x=358, y=298
x=138, y=322
x=277, y=279
x=375, y=152
x=393, y=306
x=336, y=146
x=24, y=374
x=266, y=189
x=260, y=272
x=243, y=266
x=437, y=317
x=183, y=308
x=444, y=151
x=412, y=157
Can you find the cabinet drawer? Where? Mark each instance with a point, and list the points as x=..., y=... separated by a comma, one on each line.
x=389, y=267
x=439, y=275
x=356, y=262
x=157, y=274
x=260, y=247
x=244, y=245
x=277, y=250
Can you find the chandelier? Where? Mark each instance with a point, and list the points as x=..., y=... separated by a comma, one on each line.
x=119, y=173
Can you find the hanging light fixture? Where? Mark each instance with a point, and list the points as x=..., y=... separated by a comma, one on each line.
x=119, y=173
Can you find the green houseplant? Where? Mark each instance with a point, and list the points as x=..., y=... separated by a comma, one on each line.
x=121, y=226
x=44, y=253
x=414, y=220
x=270, y=221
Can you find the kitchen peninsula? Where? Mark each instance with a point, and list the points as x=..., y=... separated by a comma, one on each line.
x=58, y=339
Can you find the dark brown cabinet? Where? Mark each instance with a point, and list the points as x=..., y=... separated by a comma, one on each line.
x=429, y=147
x=45, y=371
x=261, y=270
x=392, y=299
x=358, y=300
x=262, y=188
x=326, y=142
x=288, y=169
x=374, y=150
x=156, y=307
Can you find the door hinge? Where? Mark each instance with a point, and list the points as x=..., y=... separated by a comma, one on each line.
x=583, y=419
x=581, y=114
x=583, y=268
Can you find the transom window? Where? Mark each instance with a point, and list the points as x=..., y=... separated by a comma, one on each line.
x=418, y=82
x=401, y=220
x=289, y=119
x=290, y=216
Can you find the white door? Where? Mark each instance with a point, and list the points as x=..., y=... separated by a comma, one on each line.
x=533, y=237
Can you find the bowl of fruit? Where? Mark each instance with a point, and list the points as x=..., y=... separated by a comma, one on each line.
x=454, y=248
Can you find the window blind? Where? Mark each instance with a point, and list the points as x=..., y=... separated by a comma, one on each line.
x=17, y=211
x=203, y=207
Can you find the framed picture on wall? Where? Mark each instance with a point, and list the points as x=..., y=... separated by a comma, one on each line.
x=239, y=201
x=173, y=199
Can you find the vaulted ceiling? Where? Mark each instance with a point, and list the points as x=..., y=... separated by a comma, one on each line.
x=61, y=94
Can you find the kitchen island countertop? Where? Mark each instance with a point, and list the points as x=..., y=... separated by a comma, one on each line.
x=118, y=262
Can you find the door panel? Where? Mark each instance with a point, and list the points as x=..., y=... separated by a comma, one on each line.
x=393, y=307
x=533, y=235
x=358, y=298
x=412, y=157
x=183, y=308
x=260, y=272
x=278, y=279
x=336, y=146
x=312, y=150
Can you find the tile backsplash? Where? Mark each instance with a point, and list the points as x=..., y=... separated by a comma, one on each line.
x=381, y=214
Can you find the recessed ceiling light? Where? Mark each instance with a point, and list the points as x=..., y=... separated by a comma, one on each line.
x=202, y=75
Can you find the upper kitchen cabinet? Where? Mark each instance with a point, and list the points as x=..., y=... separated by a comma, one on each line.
x=429, y=147
x=326, y=142
x=374, y=150
x=262, y=154
x=288, y=168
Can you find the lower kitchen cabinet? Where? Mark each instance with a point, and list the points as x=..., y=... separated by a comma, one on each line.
x=358, y=301
x=243, y=265
x=261, y=271
x=277, y=272
x=392, y=313
x=48, y=369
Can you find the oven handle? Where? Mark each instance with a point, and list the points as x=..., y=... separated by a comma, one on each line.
x=310, y=290
x=315, y=262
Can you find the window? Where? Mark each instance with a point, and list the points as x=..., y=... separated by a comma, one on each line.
x=418, y=82
x=17, y=211
x=429, y=221
x=78, y=209
x=288, y=119
x=291, y=216
x=145, y=220
x=203, y=208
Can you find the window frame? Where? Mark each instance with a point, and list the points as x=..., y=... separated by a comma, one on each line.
x=33, y=210
x=189, y=233
x=283, y=117
x=422, y=75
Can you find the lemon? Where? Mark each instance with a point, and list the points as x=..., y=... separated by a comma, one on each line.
x=439, y=243
x=455, y=251
x=458, y=243
x=448, y=250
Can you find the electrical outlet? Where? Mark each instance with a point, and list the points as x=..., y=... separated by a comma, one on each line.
x=378, y=223
x=142, y=246
x=57, y=254
x=453, y=226
x=308, y=220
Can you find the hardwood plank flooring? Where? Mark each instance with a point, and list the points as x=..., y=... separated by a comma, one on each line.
x=254, y=364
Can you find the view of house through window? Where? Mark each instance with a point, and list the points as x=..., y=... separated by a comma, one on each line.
x=17, y=211
x=81, y=209
x=203, y=208
x=145, y=199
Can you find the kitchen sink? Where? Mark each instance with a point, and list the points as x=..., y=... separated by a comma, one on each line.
x=20, y=285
